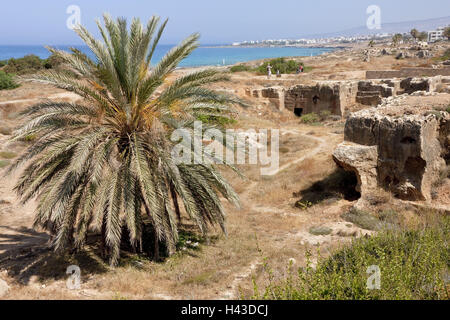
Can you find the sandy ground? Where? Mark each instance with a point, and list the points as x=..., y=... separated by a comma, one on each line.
x=268, y=227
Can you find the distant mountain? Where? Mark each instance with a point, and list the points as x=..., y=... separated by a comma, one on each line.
x=396, y=27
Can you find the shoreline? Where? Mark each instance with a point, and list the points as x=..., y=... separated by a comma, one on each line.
x=243, y=61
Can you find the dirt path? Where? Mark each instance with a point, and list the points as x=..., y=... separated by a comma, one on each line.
x=64, y=95
x=310, y=154
x=232, y=291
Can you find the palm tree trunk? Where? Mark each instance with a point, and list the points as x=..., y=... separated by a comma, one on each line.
x=103, y=248
x=175, y=202
x=155, y=252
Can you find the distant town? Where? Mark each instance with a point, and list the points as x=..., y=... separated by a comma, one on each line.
x=429, y=36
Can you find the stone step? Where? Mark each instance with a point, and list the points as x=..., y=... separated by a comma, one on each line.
x=367, y=93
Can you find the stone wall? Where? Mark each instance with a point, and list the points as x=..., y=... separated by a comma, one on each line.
x=275, y=95
x=371, y=93
x=408, y=72
x=403, y=154
x=332, y=97
x=410, y=85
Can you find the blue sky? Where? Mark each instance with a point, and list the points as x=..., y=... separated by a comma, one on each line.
x=44, y=21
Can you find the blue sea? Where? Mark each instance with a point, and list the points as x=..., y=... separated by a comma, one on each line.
x=203, y=56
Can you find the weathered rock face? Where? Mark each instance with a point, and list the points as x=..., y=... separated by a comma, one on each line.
x=410, y=150
x=362, y=160
x=332, y=97
x=410, y=85
x=371, y=93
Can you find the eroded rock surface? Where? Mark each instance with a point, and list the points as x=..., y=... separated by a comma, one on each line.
x=401, y=149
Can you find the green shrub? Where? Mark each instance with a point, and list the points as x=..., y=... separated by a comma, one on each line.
x=7, y=81
x=281, y=64
x=28, y=64
x=444, y=57
x=240, y=68
x=310, y=118
x=320, y=231
x=324, y=115
x=52, y=62
x=414, y=264
x=362, y=219
x=3, y=63
x=448, y=109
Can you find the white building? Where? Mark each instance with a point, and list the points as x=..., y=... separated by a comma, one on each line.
x=436, y=35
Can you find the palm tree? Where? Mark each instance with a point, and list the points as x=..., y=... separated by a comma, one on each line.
x=396, y=39
x=106, y=165
x=415, y=34
x=447, y=33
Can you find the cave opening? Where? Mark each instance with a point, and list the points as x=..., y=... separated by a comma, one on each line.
x=298, y=112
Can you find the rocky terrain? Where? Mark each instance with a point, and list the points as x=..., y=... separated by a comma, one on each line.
x=381, y=144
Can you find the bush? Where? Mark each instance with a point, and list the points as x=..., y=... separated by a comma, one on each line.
x=240, y=68
x=3, y=63
x=324, y=115
x=7, y=81
x=53, y=62
x=310, y=118
x=28, y=64
x=445, y=56
x=413, y=265
x=362, y=219
x=281, y=64
x=320, y=231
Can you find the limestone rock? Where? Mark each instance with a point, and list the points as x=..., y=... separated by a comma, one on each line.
x=401, y=153
x=360, y=159
x=4, y=288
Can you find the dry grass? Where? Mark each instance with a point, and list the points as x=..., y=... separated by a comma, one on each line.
x=7, y=155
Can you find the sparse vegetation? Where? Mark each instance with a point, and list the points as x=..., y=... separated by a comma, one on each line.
x=7, y=155
x=4, y=163
x=314, y=118
x=447, y=33
x=31, y=64
x=396, y=39
x=283, y=65
x=413, y=265
x=28, y=64
x=310, y=118
x=7, y=81
x=362, y=219
x=320, y=231
x=240, y=68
